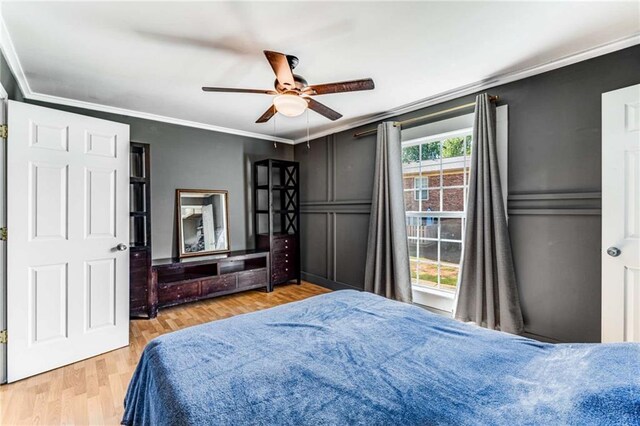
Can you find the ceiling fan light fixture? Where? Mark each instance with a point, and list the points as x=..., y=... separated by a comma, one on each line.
x=290, y=105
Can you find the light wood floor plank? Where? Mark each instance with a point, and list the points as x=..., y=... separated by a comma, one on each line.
x=91, y=392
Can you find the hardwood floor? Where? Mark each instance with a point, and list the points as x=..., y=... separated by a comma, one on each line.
x=92, y=391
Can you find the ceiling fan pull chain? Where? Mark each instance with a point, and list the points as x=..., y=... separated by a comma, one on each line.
x=275, y=144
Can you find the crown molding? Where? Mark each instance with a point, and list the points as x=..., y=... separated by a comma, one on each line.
x=8, y=49
x=488, y=83
x=154, y=117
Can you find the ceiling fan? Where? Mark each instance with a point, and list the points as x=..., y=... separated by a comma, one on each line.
x=293, y=93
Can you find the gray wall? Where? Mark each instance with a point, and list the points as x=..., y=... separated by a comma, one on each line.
x=185, y=157
x=554, y=157
x=554, y=148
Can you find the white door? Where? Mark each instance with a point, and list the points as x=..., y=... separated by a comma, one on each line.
x=621, y=215
x=68, y=204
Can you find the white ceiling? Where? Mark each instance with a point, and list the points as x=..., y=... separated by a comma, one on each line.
x=154, y=57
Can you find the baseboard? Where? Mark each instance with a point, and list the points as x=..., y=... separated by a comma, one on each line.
x=323, y=282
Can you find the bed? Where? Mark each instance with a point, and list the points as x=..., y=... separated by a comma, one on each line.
x=350, y=357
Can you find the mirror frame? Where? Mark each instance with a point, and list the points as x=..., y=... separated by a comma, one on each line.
x=179, y=192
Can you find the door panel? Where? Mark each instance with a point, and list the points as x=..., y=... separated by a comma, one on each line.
x=48, y=136
x=48, y=201
x=48, y=303
x=632, y=194
x=100, y=214
x=102, y=145
x=621, y=215
x=632, y=304
x=67, y=285
x=101, y=289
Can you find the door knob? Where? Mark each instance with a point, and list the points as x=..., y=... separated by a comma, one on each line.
x=121, y=247
x=613, y=251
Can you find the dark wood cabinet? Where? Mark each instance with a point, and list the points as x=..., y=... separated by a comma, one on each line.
x=277, y=216
x=176, y=281
x=139, y=229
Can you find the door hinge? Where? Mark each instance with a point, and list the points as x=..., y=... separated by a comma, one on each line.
x=4, y=131
x=3, y=234
x=3, y=336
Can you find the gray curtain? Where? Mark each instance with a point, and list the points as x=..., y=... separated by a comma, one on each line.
x=488, y=294
x=387, y=267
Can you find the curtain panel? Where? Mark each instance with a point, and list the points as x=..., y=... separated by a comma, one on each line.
x=387, y=267
x=487, y=293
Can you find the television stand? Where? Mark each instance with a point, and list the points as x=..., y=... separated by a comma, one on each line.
x=177, y=281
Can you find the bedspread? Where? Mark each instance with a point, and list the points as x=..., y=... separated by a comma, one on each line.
x=350, y=357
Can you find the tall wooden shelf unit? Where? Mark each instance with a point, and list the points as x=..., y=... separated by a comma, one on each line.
x=276, y=220
x=140, y=229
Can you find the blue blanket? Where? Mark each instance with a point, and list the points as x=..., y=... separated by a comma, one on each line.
x=354, y=358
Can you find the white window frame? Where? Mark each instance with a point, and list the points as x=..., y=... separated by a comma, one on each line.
x=431, y=166
x=443, y=301
x=421, y=189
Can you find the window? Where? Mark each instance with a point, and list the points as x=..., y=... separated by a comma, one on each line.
x=441, y=152
x=436, y=206
x=421, y=183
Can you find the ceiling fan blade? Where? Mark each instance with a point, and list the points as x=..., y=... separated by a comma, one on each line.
x=323, y=109
x=234, y=90
x=280, y=65
x=267, y=115
x=340, y=87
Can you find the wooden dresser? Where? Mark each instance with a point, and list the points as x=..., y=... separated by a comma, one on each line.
x=176, y=281
x=276, y=192
x=285, y=264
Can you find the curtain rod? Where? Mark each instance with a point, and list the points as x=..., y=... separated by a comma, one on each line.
x=424, y=117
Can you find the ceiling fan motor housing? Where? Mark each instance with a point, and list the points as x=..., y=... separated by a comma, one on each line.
x=300, y=84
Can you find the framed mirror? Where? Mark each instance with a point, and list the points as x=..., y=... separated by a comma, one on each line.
x=203, y=221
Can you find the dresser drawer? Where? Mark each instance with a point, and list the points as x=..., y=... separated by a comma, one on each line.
x=281, y=273
x=138, y=278
x=171, y=293
x=286, y=243
x=216, y=284
x=281, y=256
x=283, y=260
x=138, y=254
x=138, y=265
x=138, y=291
x=137, y=306
x=252, y=278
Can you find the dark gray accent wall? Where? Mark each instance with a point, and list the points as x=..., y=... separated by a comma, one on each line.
x=554, y=194
x=186, y=157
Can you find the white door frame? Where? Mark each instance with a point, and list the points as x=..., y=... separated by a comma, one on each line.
x=3, y=222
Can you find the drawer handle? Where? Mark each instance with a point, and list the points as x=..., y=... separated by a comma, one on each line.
x=286, y=269
x=286, y=261
x=286, y=255
x=286, y=246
